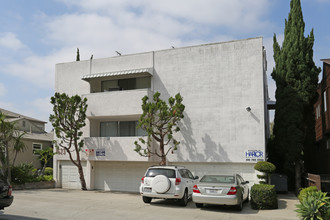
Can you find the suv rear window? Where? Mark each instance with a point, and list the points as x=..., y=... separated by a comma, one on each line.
x=156, y=171
x=217, y=179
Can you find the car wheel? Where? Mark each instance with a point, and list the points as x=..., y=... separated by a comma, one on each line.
x=146, y=199
x=239, y=207
x=199, y=205
x=184, y=200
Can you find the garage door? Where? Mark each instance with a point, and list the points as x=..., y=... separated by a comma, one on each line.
x=70, y=175
x=119, y=176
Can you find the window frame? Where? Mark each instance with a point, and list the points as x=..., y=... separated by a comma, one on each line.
x=138, y=132
x=33, y=148
x=325, y=101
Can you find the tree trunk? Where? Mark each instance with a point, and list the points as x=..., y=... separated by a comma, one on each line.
x=162, y=153
x=15, y=158
x=7, y=162
x=82, y=178
x=297, y=175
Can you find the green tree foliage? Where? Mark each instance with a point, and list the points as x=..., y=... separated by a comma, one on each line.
x=68, y=119
x=10, y=137
x=296, y=78
x=45, y=155
x=160, y=121
x=78, y=55
x=19, y=146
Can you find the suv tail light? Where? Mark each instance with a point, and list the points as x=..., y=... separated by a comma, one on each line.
x=10, y=190
x=232, y=191
x=195, y=189
x=177, y=181
x=142, y=179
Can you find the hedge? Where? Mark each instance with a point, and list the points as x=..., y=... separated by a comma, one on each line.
x=263, y=196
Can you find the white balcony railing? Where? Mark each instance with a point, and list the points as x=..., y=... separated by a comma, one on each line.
x=116, y=103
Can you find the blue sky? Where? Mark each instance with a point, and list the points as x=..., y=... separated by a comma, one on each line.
x=37, y=34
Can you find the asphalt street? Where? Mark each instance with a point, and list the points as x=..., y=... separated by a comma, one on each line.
x=77, y=204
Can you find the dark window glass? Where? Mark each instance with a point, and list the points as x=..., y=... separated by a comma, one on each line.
x=127, y=128
x=217, y=179
x=156, y=171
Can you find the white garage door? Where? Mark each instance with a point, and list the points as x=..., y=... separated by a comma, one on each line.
x=119, y=176
x=70, y=175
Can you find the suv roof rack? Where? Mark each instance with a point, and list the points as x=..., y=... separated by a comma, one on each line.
x=176, y=166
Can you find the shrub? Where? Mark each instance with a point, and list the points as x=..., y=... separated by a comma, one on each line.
x=43, y=178
x=48, y=171
x=263, y=196
x=265, y=167
x=25, y=173
x=303, y=193
x=314, y=205
x=22, y=173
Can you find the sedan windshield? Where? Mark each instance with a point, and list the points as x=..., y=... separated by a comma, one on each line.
x=217, y=179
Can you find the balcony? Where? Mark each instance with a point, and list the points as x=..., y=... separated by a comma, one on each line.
x=112, y=149
x=115, y=103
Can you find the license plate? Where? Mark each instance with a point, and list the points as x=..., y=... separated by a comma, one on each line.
x=146, y=189
x=214, y=191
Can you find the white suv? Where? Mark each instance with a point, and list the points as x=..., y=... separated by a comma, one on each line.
x=167, y=182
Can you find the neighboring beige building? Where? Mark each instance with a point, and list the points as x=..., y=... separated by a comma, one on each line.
x=35, y=137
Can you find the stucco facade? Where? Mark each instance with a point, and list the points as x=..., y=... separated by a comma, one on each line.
x=224, y=89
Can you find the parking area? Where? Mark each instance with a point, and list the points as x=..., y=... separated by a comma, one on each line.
x=77, y=204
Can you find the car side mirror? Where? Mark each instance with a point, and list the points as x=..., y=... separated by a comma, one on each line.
x=246, y=182
x=196, y=178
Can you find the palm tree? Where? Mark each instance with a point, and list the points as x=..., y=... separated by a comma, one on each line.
x=19, y=146
x=9, y=136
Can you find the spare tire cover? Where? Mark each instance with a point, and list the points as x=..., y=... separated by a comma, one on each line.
x=161, y=184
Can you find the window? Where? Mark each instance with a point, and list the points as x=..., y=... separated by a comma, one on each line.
x=24, y=124
x=156, y=171
x=217, y=179
x=109, y=129
x=36, y=146
x=120, y=129
x=186, y=174
x=127, y=128
x=328, y=144
x=318, y=111
x=126, y=84
x=325, y=101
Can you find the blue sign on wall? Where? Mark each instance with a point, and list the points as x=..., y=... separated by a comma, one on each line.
x=254, y=155
x=100, y=152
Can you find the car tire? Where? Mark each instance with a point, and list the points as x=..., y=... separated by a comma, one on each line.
x=199, y=205
x=161, y=184
x=184, y=200
x=239, y=207
x=146, y=199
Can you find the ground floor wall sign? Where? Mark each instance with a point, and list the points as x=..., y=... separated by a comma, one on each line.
x=100, y=152
x=254, y=155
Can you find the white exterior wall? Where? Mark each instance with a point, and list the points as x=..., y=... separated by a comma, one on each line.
x=217, y=81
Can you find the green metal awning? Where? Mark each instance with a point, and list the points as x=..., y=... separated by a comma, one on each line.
x=119, y=73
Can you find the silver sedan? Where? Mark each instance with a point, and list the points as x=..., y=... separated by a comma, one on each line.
x=221, y=190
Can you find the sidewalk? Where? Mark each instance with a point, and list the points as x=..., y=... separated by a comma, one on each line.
x=286, y=208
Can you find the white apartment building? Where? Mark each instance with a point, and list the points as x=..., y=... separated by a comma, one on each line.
x=225, y=128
